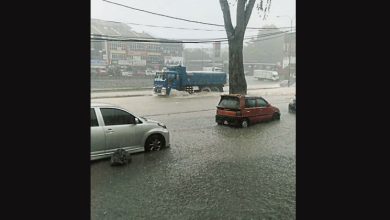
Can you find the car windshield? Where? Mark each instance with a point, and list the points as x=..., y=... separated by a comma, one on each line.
x=160, y=76
x=229, y=102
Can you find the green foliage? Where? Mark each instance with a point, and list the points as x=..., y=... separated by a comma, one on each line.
x=265, y=51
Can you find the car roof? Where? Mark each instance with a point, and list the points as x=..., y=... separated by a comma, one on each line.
x=97, y=104
x=240, y=95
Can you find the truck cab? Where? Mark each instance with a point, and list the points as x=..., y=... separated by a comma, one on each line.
x=166, y=80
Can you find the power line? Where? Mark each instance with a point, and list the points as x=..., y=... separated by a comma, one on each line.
x=167, y=16
x=222, y=38
x=108, y=37
x=183, y=28
x=97, y=39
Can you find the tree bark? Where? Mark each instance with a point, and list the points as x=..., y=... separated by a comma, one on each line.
x=237, y=82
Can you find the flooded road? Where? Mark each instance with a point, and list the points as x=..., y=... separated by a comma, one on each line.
x=209, y=172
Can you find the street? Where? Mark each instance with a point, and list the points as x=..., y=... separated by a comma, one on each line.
x=209, y=172
x=104, y=83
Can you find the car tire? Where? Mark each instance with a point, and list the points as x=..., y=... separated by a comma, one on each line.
x=154, y=142
x=276, y=116
x=244, y=123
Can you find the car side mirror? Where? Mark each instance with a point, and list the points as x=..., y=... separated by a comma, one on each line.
x=137, y=121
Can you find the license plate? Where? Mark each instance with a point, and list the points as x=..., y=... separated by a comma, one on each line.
x=225, y=122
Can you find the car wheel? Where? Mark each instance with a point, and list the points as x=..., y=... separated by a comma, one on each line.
x=244, y=123
x=154, y=143
x=276, y=116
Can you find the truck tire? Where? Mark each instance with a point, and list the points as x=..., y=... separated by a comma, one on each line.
x=215, y=89
x=206, y=89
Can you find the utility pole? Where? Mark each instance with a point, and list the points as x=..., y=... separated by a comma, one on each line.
x=289, y=49
x=289, y=56
x=202, y=57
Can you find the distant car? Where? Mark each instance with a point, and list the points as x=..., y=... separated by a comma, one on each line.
x=292, y=105
x=127, y=73
x=286, y=83
x=241, y=110
x=114, y=128
x=150, y=72
x=139, y=73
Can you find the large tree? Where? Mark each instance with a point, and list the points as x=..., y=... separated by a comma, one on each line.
x=235, y=35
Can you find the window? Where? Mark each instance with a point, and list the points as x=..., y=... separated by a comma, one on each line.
x=94, y=122
x=250, y=103
x=229, y=102
x=160, y=76
x=116, y=117
x=171, y=78
x=261, y=102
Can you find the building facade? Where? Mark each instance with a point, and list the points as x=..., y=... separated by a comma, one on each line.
x=135, y=57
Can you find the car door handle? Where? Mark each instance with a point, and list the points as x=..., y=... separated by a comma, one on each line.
x=110, y=130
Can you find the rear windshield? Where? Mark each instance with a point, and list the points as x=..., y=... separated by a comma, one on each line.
x=229, y=102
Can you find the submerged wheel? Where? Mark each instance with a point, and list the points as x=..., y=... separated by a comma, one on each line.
x=215, y=89
x=244, y=123
x=206, y=89
x=276, y=116
x=154, y=143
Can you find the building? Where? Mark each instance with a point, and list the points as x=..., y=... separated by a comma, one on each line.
x=130, y=56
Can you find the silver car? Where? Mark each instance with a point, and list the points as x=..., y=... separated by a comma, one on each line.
x=115, y=128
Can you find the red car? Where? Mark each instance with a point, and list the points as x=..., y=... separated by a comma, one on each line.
x=244, y=110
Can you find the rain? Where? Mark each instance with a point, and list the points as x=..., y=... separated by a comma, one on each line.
x=149, y=65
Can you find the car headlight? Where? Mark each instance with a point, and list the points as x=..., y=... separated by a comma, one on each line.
x=161, y=125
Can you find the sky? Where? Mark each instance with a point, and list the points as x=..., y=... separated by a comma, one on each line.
x=200, y=10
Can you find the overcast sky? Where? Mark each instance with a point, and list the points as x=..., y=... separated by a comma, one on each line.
x=199, y=10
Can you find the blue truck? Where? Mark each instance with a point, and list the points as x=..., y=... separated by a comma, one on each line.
x=176, y=77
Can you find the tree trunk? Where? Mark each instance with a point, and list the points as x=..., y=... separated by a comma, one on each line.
x=237, y=82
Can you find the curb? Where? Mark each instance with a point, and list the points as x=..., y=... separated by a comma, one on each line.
x=150, y=88
x=120, y=96
x=138, y=95
x=120, y=89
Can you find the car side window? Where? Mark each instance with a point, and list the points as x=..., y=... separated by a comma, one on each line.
x=261, y=102
x=113, y=116
x=94, y=121
x=250, y=103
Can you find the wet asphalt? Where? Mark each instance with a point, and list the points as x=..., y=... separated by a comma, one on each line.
x=209, y=172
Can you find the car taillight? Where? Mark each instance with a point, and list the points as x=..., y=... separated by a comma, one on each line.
x=238, y=113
